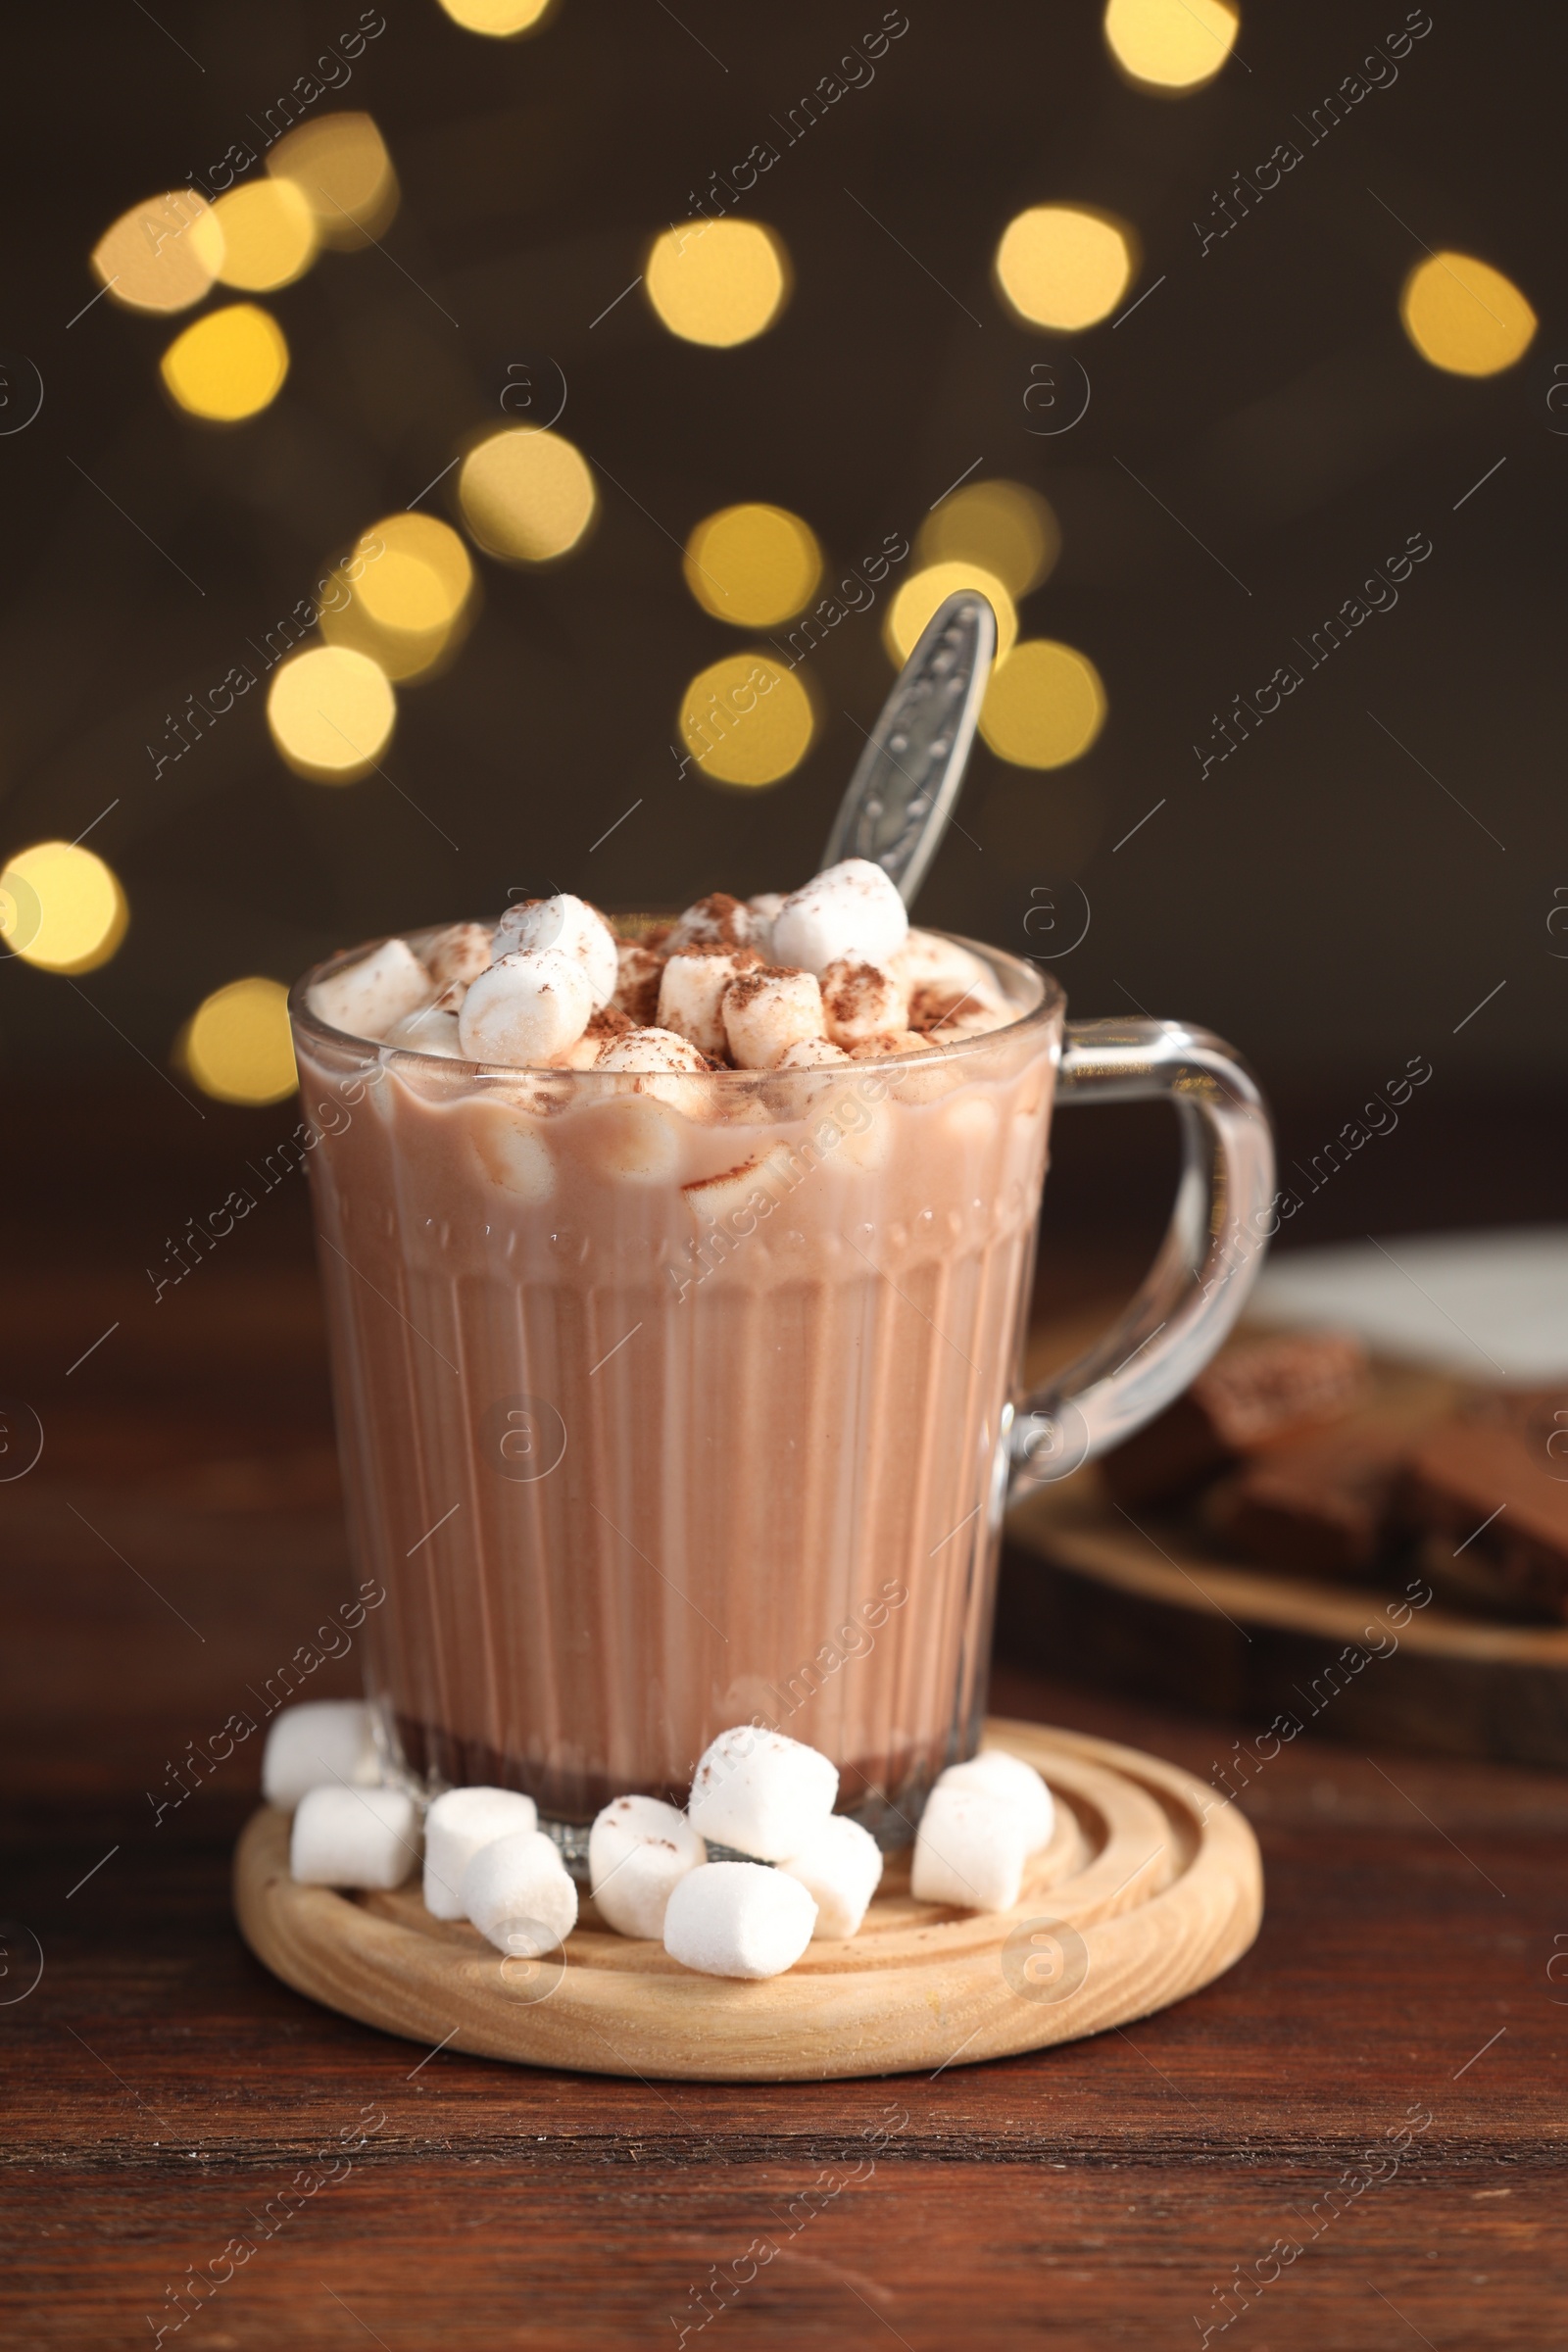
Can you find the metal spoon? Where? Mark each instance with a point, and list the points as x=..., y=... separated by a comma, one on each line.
x=907, y=779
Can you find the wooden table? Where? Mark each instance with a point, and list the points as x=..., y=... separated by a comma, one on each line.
x=181, y=1534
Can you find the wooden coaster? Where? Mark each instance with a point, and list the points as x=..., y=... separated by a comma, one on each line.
x=1151, y=1887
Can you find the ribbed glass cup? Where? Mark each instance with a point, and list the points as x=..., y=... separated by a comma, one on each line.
x=670, y=1403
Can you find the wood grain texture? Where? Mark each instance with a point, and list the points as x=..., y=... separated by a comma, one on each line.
x=162, y=2089
x=1147, y=1608
x=1149, y=1889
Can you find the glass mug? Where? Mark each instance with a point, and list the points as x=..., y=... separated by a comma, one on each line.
x=670, y=1403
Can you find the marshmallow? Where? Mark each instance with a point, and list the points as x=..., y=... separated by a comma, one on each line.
x=639, y=1850
x=571, y=925
x=851, y=910
x=457, y=1826
x=970, y=1851
x=738, y=1918
x=518, y=1886
x=1011, y=1782
x=637, y=986
x=812, y=1053
x=861, y=1002
x=527, y=1008
x=322, y=1741
x=604, y=1027
x=370, y=997
x=761, y=1793
x=944, y=983
x=716, y=921
x=651, y=1050
x=432, y=1031
x=768, y=1010
x=633, y=1140
x=353, y=1838
x=458, y=955
x=896, y=1041
x=511, y=1151
x=839, y=1870
x=692, y=989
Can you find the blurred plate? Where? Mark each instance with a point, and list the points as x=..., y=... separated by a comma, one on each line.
x=1491, y=1306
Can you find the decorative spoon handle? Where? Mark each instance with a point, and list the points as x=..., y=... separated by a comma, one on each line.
x=907, y=779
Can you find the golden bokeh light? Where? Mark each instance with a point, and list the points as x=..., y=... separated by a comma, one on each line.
x=331, y=711
x=1171, y=45
x=402, y=595
x=229, y=365
x=924, y=591
x=1465, y=316
x=342, y=169
x=269, y=235
x=527, y=496
x=236, y=1043
x=163, y=255
x=1045, y=704
x=747, y=720
x=719, y=282
x=1062, y=266
x=60, y=907
x=502, y=20
x=1004, y=526
x=753, y=565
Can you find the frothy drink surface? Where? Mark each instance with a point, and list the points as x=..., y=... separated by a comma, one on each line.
x=669, y=1401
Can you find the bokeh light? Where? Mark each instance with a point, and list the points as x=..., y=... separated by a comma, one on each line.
x=1171, y=45
x=331, y=711
x=1005, y=527
x=229, y=365
x=402, y=595
x=269, y=235
x=163, y=255
x=341, y=167
x=527, y=496
x=1064, y=267
x=719, y=282
x=236, y=1045
x=922, y=594
x=502, y=20
x=753, y=565
x=60, y=907
x=747, y=720
x=1465, y=316
x=1045, y=704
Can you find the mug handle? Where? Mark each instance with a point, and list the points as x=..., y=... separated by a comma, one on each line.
x=1219, y=1229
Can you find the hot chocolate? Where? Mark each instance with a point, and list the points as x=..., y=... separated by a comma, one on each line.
x=673, y=1340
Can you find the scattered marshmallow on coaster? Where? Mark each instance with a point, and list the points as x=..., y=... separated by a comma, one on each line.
x=851, y=910
x=1012, y=1782
x=370, y=997
x=519, y=1883
x=761, y=1793
x=840, y=1871
x=529, y=1008
x=353, y=1838
x=458, y=955
x=691, y=991
x=651, y=1050
x=639, y=1850
x=768, y=1010
x=322, y=1741
x=571, y=925
x=457, y=1826
x=861, y=1001
x=970, y=1851
x=738, y=1918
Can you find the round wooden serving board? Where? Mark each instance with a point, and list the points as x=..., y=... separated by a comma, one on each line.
x=1145, y=1608
x=1149, y=1889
